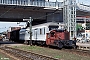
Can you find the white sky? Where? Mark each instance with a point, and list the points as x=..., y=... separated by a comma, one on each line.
x=5, y=25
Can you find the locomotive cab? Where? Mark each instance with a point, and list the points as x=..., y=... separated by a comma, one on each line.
x=59, y=38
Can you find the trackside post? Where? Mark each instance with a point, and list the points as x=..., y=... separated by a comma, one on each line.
x=30, y=27
x=30, y=31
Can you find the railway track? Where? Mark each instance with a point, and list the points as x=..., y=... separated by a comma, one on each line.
x=81, y=52
x=24, y=55
x=78, y=52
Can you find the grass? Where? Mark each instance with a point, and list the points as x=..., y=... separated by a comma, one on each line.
x=62, y=55
x=3, y=57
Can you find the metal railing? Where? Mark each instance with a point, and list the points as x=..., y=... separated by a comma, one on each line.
x=83, y=7
x=83, y=19
x=41, y=4
x=30, y=3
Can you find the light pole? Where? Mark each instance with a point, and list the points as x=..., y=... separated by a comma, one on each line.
x=30, y=27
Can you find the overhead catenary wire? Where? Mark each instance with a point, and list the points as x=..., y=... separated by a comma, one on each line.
x=47, y=15
x=6, y=12
x=33, y=18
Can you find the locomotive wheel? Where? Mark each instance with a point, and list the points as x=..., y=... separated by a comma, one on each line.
x=60, y=45
x=26, y=42
x=74, y=47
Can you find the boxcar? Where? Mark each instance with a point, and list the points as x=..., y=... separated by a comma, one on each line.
x=14, y=35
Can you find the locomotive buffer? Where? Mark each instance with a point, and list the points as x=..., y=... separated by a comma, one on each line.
x=30, y=26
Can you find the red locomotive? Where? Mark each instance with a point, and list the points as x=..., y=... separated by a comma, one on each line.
x=60, y=38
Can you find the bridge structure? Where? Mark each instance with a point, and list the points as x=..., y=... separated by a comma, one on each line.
x=44, y=11
x=16, y=10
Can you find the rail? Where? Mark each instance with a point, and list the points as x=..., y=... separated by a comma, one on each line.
x=24, y=55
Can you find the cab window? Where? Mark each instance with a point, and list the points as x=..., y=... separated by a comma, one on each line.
x=52, y=34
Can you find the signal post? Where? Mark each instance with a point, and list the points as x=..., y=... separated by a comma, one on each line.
x=30, y=27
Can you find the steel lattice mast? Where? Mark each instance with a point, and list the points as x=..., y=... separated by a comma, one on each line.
x=69, y=16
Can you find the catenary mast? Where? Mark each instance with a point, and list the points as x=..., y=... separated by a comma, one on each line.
x=69, y=17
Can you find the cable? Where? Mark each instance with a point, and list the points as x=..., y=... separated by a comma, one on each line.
x=46, y=15
x=5, y=12
x=34, y=18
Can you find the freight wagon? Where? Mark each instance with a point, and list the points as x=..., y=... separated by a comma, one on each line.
x=14, y=35
x=1, y=37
